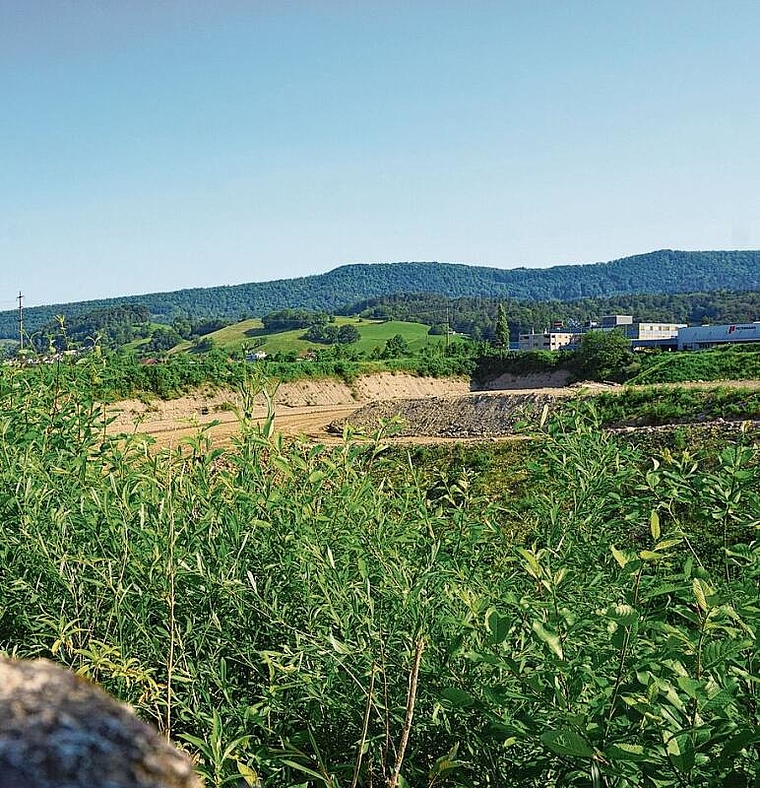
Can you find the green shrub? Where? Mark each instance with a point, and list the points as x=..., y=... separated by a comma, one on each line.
x=278, y=605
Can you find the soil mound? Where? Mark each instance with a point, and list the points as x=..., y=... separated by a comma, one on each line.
x=482, y=415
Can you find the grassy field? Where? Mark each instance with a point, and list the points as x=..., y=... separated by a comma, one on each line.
x=568, y=611
x=374, y=333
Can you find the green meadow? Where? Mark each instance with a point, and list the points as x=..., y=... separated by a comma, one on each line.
x=374, y=334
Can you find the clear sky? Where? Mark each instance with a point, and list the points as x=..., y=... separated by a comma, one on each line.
x=150, y=145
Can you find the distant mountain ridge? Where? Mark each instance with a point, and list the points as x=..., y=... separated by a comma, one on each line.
x=663, y=271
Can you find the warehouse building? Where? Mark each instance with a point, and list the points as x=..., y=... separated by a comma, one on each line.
x=701, y=337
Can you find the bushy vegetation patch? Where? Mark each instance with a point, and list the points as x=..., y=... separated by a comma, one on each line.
x=657, y=405
x=727, y=363
x=608, y=360
x=315, y=616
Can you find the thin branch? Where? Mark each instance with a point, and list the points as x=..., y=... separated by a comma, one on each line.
x=365, y=728
x=407, y=729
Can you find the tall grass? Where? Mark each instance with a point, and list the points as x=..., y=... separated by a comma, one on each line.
x=295, y=613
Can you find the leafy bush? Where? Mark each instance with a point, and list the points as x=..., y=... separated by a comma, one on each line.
x=295, y=613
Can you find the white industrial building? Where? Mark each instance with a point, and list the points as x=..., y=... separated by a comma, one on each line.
x=650, y=331
x=700, y=337
x=547, y=340
x=660, y=334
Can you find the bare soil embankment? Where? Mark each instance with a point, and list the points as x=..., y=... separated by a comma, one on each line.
x=303, y=407
x=428, y=409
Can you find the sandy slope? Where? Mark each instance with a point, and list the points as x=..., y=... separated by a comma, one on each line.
x=302, y=407
x=307, y=407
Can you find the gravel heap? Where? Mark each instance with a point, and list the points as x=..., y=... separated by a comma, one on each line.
x=481, y=415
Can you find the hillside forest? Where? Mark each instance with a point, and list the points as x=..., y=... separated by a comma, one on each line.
x=476, y=318
x=664, y=272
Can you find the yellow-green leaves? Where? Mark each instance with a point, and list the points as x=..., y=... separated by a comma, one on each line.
x=531, y=563
x=549, y=638
x=701, y=592
x=654, y=525
x=618, y=556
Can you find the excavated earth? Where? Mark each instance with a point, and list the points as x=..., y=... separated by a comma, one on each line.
x=481, y=415
x=422, y=409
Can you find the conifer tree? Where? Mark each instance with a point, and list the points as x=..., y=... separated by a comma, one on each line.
x=501, y=335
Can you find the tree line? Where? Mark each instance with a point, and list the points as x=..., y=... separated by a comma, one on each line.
x=664, y=271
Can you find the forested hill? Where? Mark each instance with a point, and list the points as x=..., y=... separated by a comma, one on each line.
x=665, y=271
x=476, y=316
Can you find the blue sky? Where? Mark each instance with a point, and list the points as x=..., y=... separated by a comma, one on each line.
x=150, y=146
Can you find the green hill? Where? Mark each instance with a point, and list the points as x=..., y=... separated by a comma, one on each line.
x=665, y=271
x=251, y=335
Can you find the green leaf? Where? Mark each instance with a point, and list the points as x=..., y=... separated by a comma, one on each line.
x=549, y=638
x=498, y=626
x=457, y=698
x=532, y=565
x=624, y=614
x=566, y=742
x=445, y=764
x=305, y=769
x=618, y=556
x=720, y=651
x=680, y=751
x=654, y=525
x=665, y=544
x=689, y=686
x=249, y=775
x=739, y=741
x=665, y=588
x=699, y=587
x=626, y=752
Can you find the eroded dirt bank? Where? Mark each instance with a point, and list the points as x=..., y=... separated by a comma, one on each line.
x=301, y=407
x=429, y=408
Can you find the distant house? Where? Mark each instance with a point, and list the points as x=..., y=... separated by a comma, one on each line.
x=654, y=335
x=259, y=355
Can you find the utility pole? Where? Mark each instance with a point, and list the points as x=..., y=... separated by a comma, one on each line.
x=448, y=328
x=21, y=320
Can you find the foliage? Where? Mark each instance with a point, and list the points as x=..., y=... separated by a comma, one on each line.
x=395, y=347
x=655, y=272
x=501, y=333
x=329, y=334
x=732, y=362
x=162, y=339
x=656, y=405
x=603, y=355
x=372, y=334
x=476, y=316
x=348, y=334
x=110, y=327
x=649, y=367
x=278, y=606
x=287, y=319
